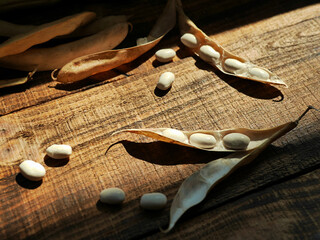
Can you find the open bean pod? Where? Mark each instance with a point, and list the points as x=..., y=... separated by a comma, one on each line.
x=195, y=188
x=214, y=54
x=229, y=140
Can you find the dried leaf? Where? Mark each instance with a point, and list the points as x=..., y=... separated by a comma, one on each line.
x=235, y=65
x=195, y=188
x=89, y=65
x=257, y=137
x=44, y=33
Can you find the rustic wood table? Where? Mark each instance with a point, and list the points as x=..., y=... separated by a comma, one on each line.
x=274, y=197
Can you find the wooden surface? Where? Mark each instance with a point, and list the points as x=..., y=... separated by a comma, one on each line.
x=274, y=197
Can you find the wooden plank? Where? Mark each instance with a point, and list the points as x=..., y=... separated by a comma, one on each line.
x=65, y=204
x=215, y=20
x=289, y=210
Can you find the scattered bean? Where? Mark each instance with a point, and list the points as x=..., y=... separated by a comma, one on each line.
x=175, y=135
x=259, y=73
x=165, y=81
x=112, y=196
x=202, y=140
x=189, y=40
x=207, y=53
x=236, y=141
x=32, y=170
x=58, y=151
x=232, y=65
x=165, y=55
x=153, y=201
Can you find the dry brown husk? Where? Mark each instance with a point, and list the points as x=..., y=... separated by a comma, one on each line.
x=55, y=57
x=89, y=65
x=43, y=33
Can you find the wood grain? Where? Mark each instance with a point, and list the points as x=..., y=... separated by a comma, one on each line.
x=65, y=205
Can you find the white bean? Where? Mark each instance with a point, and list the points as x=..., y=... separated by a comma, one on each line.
x=236, y=141
x=165, y=55
x=153, y=201
x=112, y=196
x=207, y=53
x=32, y=170
x=232, y=65
x=202, y=140
x=259, y=73
x=58, y=151
x=189, y=40
x=165, y=81
x=175, y=135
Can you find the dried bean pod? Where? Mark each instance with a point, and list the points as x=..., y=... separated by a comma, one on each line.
x=195, y=188
x=50, y=58
x=257, y=137
x=224, y=60
x=44, y=33
x=89, y=65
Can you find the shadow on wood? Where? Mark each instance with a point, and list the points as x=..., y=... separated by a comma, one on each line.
x=108, y=208
x=25, y=183
x=168, y=154
x=50, y=162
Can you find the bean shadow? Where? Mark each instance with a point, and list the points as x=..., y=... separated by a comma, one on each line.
x=25, y=183
x=108, y=208
x=161, y=93
x=50, y=162
x=250, y=88
x=162, y=153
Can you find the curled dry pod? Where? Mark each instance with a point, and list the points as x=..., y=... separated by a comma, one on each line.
x=16, y=81
x=55, y=57
x=89, y=65
x=195, y=188
x=209, y=140
x=43, y=33
x=214, y=54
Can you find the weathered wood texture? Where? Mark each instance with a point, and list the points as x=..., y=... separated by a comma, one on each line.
x=283, y=37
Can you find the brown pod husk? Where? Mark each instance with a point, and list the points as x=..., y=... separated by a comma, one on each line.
x=44, y=33
x=89, y=65
x=55, y=57
x=247, y=71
